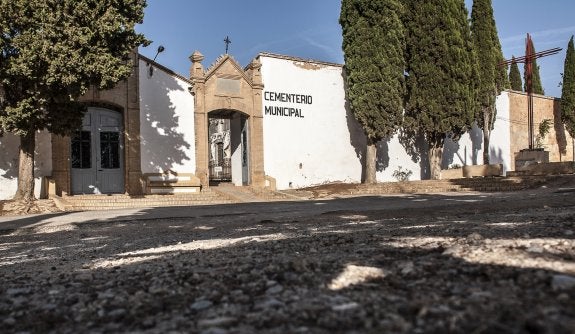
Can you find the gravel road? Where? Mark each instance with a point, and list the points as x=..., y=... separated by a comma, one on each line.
x=473, y=263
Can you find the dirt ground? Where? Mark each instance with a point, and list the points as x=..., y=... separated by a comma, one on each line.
x=440, y=263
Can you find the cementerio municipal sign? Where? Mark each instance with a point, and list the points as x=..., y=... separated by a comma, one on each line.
x=286, y=111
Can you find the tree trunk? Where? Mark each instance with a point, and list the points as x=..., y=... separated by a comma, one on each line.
x=25, y=191
x=486, y=134
x=435, y=157
x=370, y=162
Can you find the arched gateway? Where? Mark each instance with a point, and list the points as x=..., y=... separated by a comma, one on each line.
x=228, y=121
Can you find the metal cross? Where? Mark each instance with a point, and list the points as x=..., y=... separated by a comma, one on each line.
x=528, y=59
x=228, y=42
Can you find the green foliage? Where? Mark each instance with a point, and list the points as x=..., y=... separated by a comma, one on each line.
x=374, y=46
x=442, y=69
x=568, y=90
x=544, y=128
x=401, y=174
x=492, y=76
x=537, y=85
x=515, y=77
x=52, y=51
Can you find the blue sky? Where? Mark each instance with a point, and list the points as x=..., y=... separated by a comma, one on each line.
x=310, y=29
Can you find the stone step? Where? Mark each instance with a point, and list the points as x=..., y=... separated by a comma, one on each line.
x=136, y=200
x=250, y=194
x=107, y=202
x=139, y=205
x=144, y=203
x=231, y=194
x=480, y=184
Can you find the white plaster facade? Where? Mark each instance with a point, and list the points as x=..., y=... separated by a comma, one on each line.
x=319, y=143
x=166, y=122
x=326, y=144
x=9, y=145
x=500, y=140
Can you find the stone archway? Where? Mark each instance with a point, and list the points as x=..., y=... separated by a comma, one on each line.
x=225, y=86
x=124, y=99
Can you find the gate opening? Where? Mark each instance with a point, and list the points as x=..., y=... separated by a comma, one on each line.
x=228, y=148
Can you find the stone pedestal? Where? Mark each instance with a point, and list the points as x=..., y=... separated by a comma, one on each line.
x=483, y=170
x=526, y=158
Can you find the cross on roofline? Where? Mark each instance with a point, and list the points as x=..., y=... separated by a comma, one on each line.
x=228, y=42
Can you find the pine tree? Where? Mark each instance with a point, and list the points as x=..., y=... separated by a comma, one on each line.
x=537, y=85
x=568, y=90
x=374, y=46
x=515, y=76
x=441, y=68
x=52, y=51
x=492, y=76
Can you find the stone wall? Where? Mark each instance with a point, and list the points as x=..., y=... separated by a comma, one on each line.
x=558, y=141
x=125, y=98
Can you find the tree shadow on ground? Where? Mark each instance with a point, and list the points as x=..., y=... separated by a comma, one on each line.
x=394, y=269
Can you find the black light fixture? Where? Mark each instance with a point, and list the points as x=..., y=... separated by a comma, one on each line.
x=150, y=67
x=160, y=50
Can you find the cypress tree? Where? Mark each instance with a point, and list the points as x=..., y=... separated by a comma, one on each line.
x=568, y=90
x=492, y=76
x=537, y=85
x=515, y=76
x=51, y=52
x=374, y=46
x=441, y=72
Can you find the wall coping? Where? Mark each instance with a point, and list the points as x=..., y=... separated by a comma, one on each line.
x=510, y=91
x=292, y=58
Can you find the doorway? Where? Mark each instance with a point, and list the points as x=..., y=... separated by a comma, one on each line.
x=228, y=147
x=97, y=151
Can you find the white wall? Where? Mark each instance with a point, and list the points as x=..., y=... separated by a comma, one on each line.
x=323, y=146
x=236, y=149
x=500, y=141
x=9, y=148
x=166, y=122
x=467, y=151
x=392, y=156
x=328, y=145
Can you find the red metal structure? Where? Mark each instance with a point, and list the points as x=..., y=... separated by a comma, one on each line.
x=528, y=60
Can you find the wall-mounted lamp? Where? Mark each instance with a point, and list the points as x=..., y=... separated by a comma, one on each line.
x=150, y=67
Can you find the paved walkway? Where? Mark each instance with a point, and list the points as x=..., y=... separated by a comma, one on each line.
x=286, y=210
x=239, y=194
